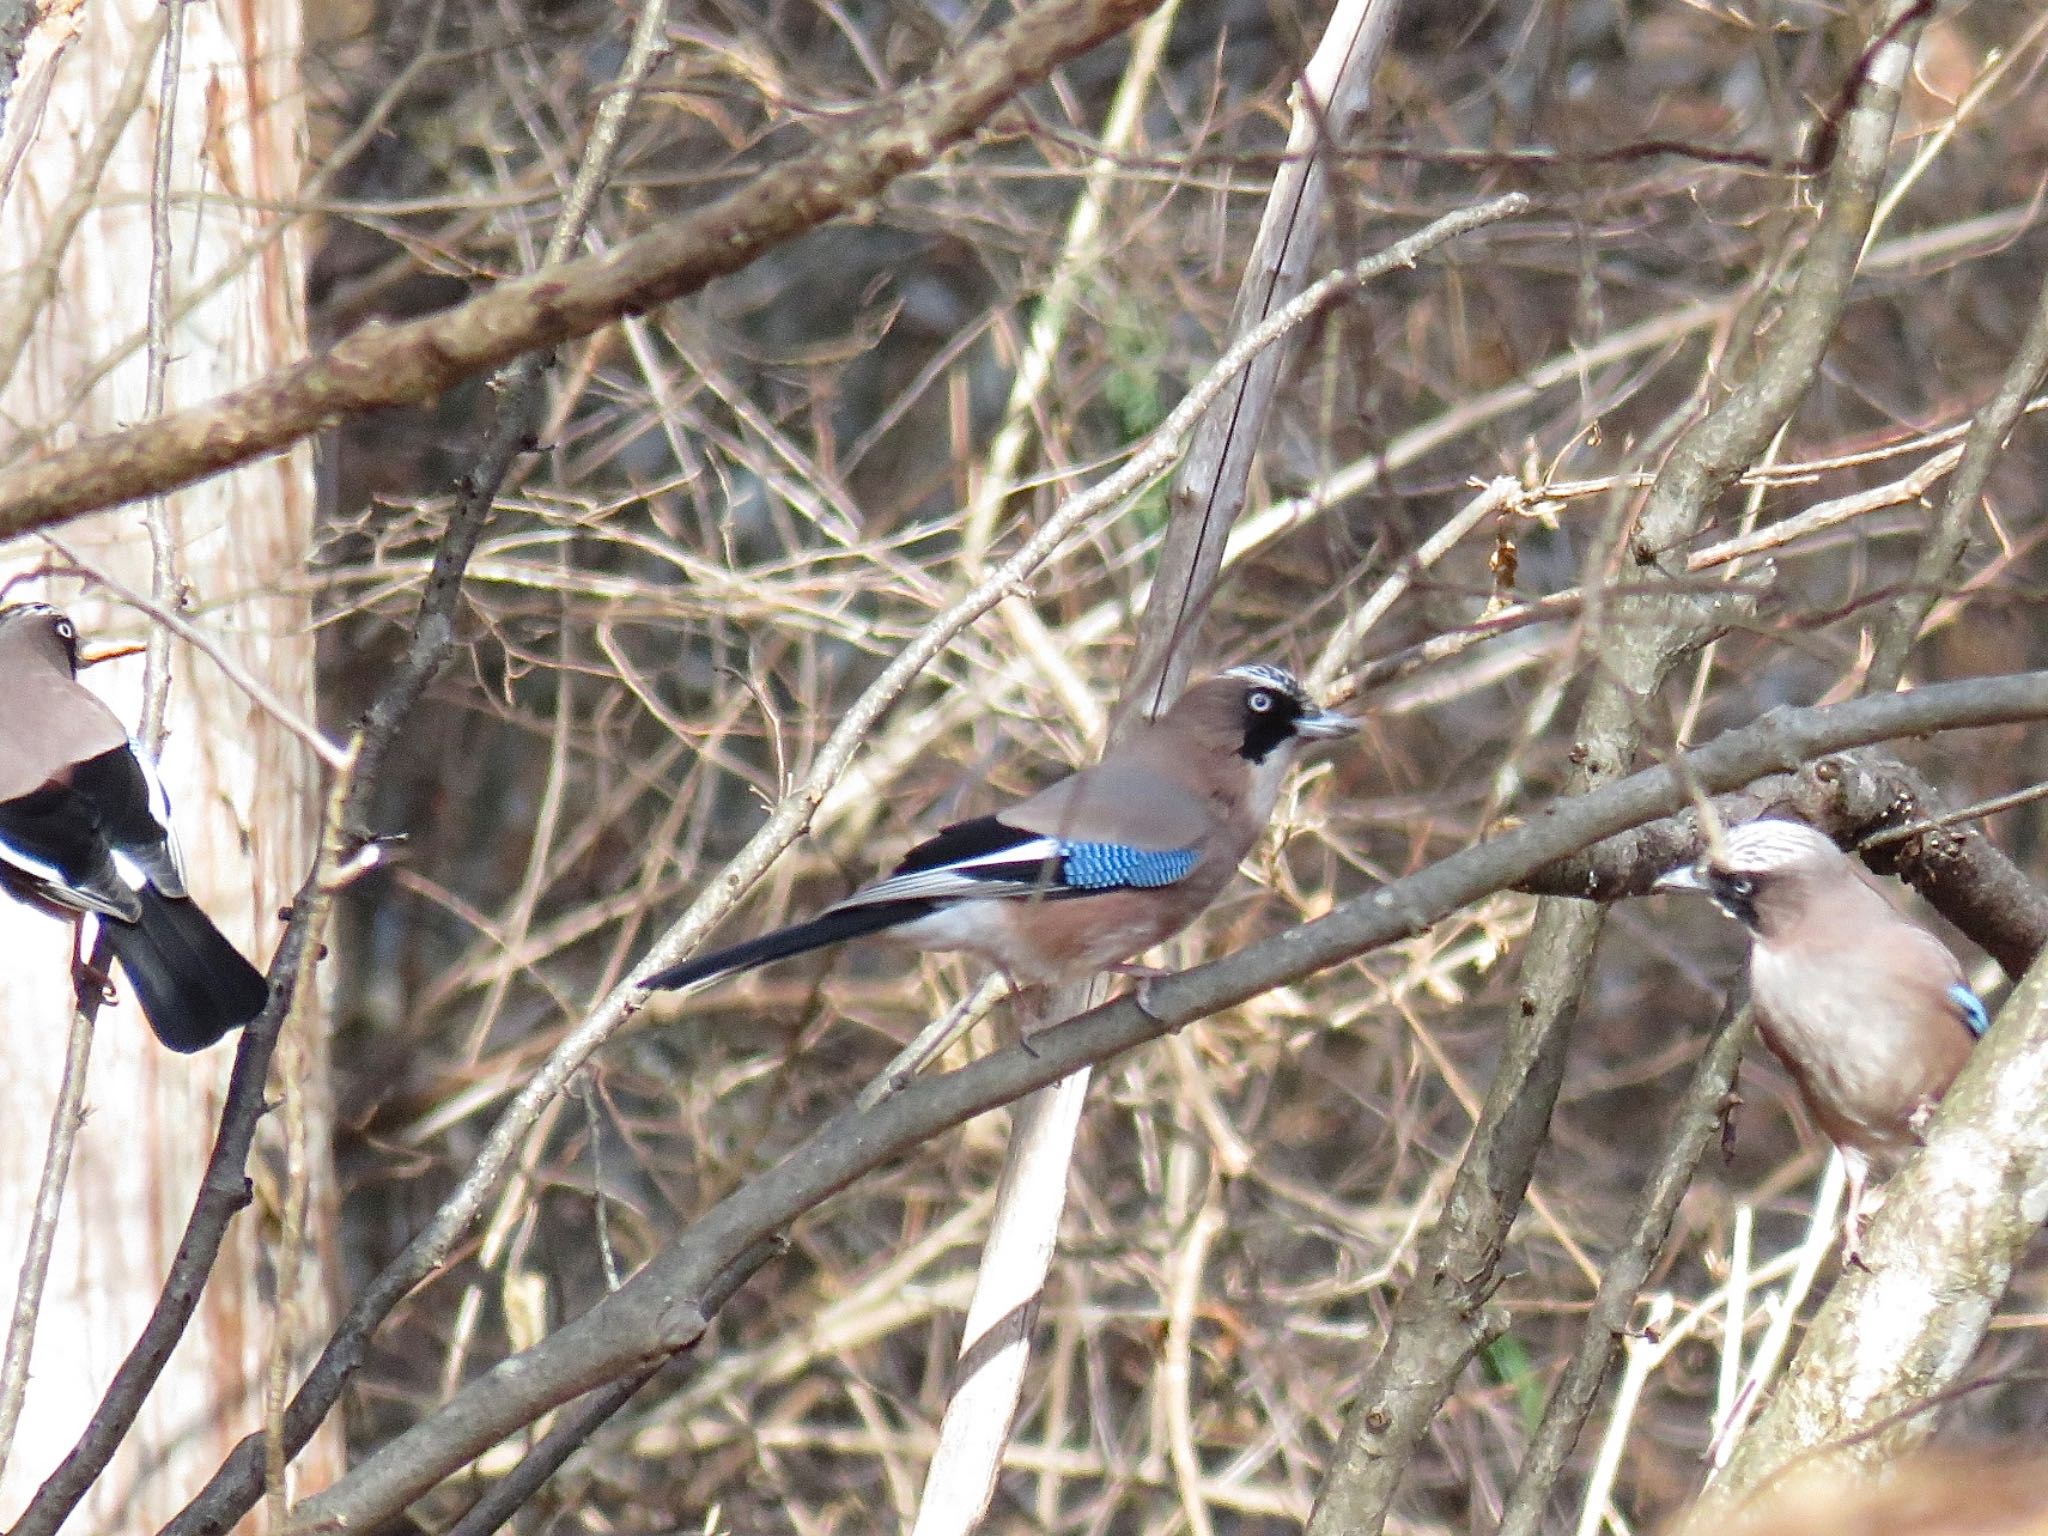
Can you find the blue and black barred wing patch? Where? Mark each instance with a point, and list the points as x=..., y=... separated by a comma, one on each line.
x=1110, y=866
x=1970, y=1009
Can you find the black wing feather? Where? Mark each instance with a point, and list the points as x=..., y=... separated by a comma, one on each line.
x=193, y=985
x=982, y=838
x=56, y=829
x=117, y=789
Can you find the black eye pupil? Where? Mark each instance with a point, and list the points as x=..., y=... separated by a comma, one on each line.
x=1261, y=701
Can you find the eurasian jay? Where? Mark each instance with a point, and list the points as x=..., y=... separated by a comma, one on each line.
x=1867, y=1009
x=85, y=826
x=1097, y=868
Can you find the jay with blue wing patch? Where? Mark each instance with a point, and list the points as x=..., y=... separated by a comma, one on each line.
x=1867, y=1009
x=85, y=827
x=1094, y=870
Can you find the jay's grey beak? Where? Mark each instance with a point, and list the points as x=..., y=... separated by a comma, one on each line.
x=1686, y=877
x=1324, y=725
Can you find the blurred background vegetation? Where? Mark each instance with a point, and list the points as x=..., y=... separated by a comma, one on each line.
x=742, y=504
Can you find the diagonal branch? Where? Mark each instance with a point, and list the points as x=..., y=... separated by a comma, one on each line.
x=382, y=365
x=1946, y=540
x=231, y=1488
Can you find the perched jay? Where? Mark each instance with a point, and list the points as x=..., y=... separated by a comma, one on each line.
x=84, y=825
x=1099, y=867
x=1867, y=1009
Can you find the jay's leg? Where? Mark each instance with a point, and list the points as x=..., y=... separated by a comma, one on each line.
x=1027, y=1011
x=88, y=979
x=1854, y=1219
x=1144, y=975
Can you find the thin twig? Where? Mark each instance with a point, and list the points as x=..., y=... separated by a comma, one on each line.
x=65, y=1120
x=166, y=619
x=1942, y=552
x=38, y=281
x=1208, y=492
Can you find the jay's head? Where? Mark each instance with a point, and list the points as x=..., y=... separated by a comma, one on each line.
x=1257, y=713
x=34, y=634
x=1767, y=874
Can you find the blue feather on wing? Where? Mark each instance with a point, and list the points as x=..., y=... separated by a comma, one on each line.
x=1108, y=866
x=1971, y=1008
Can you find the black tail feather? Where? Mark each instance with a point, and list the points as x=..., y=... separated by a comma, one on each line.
x=830, y=928
x=193, y=985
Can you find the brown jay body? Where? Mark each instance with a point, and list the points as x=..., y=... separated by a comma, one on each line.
x=1094, y=869
x=1867, y=1009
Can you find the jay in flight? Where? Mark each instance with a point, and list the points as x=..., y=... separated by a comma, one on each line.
x=1099, y=867
x=85, y=827
x=1868, y=1010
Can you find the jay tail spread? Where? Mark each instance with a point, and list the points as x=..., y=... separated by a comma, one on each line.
x=1094, y=870
x=1868, y=1010
x=85, y=827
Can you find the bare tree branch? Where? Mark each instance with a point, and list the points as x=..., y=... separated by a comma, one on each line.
x=1942, y=553
x=383, y=365
x=1855, y=797
x=1627, y=1269
x=1208, y=490
x=662, y=1307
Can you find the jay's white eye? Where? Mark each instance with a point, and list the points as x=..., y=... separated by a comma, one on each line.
x=65, y=631
x=1741, y=886
x=1258, y=701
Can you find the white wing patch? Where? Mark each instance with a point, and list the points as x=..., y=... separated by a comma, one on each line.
x=131, y=873
x=51, y=882
x=36, y=869
x=160, y=808
x=959, y=879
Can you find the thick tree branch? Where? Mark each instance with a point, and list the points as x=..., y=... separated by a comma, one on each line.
x=381, y=365
x=1855, y=797
x=661, y=1308
x=569, y=1434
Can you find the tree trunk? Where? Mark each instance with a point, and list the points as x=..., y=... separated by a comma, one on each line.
x=244, y=790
